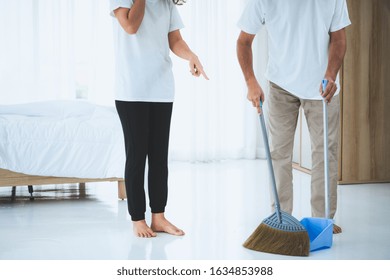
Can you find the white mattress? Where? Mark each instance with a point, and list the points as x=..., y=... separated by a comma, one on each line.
x=62, y=139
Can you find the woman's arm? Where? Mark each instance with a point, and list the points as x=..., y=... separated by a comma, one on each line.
x=131, y=19
x=179, y=47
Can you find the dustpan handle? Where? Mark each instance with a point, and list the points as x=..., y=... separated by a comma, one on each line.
x=326, y=146
x=269, y=161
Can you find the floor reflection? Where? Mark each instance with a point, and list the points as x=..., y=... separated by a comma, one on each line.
x=47, y=192
x=218, y=205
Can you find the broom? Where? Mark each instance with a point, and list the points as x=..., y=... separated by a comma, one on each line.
x=280, y=233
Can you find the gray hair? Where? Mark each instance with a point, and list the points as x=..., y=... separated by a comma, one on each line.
x=179, y=2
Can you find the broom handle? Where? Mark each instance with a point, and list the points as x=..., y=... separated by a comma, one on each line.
x=270, y=167
x=326, y=145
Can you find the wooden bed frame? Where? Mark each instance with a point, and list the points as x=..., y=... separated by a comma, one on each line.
x=12, y=179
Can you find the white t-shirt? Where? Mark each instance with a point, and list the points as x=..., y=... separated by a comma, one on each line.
x=143, y=65
x=298, y=39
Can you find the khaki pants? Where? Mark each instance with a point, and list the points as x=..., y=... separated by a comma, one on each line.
x=283, y=109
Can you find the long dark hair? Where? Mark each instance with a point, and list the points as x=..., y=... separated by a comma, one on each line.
x=179, y=2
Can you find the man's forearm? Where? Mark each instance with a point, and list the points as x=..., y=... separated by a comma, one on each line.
x=245, y=58
x=337, y=50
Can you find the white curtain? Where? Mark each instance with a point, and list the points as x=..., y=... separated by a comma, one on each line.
x=62, y=49
x=36, y=50
x=55, y=49
x=213, y=120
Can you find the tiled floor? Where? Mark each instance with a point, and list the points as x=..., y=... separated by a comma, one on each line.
x=217, y=204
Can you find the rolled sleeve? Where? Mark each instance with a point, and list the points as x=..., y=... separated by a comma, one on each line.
x=115, y=4
x=340, y=18
x=253, y=17
x=176, y=21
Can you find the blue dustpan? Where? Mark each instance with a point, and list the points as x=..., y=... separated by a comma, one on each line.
x=320, y=230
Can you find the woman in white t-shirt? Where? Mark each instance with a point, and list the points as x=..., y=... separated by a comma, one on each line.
x=144, y=33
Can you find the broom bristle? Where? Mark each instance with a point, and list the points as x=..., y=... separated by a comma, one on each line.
x=271, y=240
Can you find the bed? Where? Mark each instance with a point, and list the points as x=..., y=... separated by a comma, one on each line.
x=60, y=142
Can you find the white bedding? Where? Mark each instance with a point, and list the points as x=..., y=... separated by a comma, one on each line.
x=62, y=139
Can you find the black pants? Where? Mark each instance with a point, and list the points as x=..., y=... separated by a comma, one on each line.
x=146, y=128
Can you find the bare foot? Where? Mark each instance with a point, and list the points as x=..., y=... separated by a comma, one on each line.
x=141, y=229
x=336, y=229
x=160, y=224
